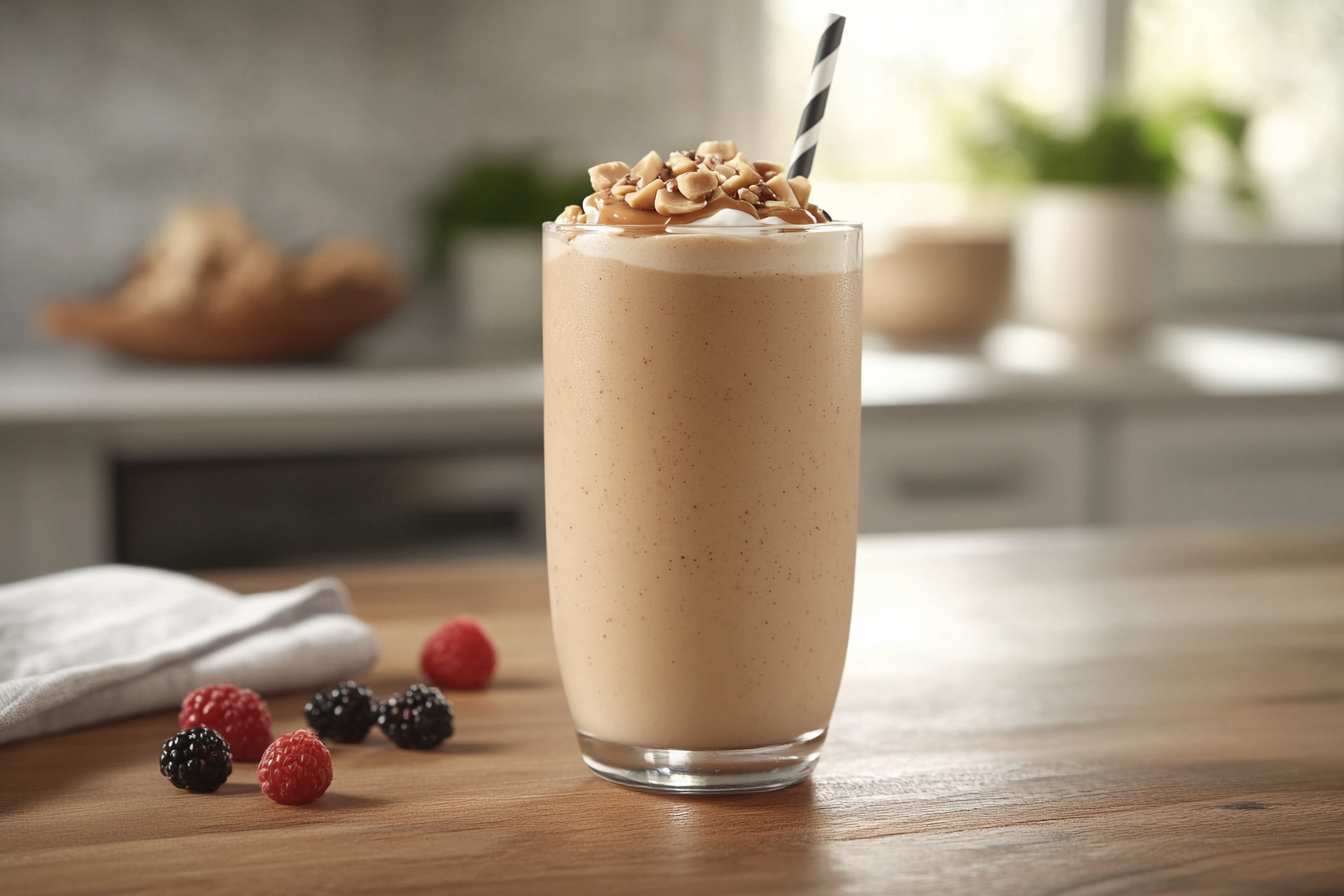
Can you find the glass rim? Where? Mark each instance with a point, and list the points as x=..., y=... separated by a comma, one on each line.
x=693, y=229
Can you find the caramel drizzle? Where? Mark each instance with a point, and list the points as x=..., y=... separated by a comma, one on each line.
x=620, y=214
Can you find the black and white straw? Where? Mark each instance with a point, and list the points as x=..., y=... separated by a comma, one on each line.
x=818, y=88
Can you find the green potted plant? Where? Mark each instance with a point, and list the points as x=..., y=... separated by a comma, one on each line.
x=480, y=235
x=1093, y=241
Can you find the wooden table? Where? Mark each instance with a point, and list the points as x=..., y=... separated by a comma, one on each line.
x=1020, y=714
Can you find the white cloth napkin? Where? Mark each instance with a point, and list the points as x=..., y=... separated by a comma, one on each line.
x=85, y=646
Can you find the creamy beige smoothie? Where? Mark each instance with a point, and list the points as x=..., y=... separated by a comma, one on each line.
x=702, y=439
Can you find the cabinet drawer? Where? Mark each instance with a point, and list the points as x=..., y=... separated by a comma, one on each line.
x=1281, y=464
x=920, y=473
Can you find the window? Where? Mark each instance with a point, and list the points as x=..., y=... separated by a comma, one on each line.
x=1283, y=59
x=886, y=155
x=904, y=62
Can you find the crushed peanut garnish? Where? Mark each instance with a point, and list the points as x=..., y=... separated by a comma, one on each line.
x=691, y=183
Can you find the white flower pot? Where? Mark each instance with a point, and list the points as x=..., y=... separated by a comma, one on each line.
x=1092, y=263
x=497, y=281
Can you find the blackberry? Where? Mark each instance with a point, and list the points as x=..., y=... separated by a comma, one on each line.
x=345, y=713
x=197, y=759
x=419, y=719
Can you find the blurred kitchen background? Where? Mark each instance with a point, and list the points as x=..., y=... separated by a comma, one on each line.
x=268, y=270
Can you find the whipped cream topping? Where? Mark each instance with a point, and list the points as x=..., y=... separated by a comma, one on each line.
x=733, y=217
x=737, y=252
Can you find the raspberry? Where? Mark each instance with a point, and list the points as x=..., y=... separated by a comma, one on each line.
x=458, y=656
x=295, y=769
x=345, y=713
x=419, y=719
x=239, y=715
x=196, y=760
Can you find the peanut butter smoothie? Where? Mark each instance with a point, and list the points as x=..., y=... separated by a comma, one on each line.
x=701, y=339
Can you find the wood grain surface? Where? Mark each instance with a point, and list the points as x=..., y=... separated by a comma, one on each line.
x=1020, y=714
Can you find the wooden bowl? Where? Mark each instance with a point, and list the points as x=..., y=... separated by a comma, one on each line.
x=207, y=290
x=937, y=285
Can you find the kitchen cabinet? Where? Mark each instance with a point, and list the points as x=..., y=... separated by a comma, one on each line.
x=55, y=510
x=1000, y=468
x=1257, y=462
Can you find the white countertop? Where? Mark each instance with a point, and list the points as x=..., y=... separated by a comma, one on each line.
x=1016, y=364
x=1019, y=363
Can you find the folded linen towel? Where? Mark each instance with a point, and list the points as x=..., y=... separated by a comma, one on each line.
x=100, y=643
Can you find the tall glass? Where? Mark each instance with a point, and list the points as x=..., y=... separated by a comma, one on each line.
x=702, y=452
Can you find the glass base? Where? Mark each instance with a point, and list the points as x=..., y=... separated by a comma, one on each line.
x=751, y=770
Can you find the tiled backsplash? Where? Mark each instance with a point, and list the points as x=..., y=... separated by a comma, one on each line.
x=320, y=117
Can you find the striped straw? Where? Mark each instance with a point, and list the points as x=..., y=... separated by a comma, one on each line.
x=823, y=70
